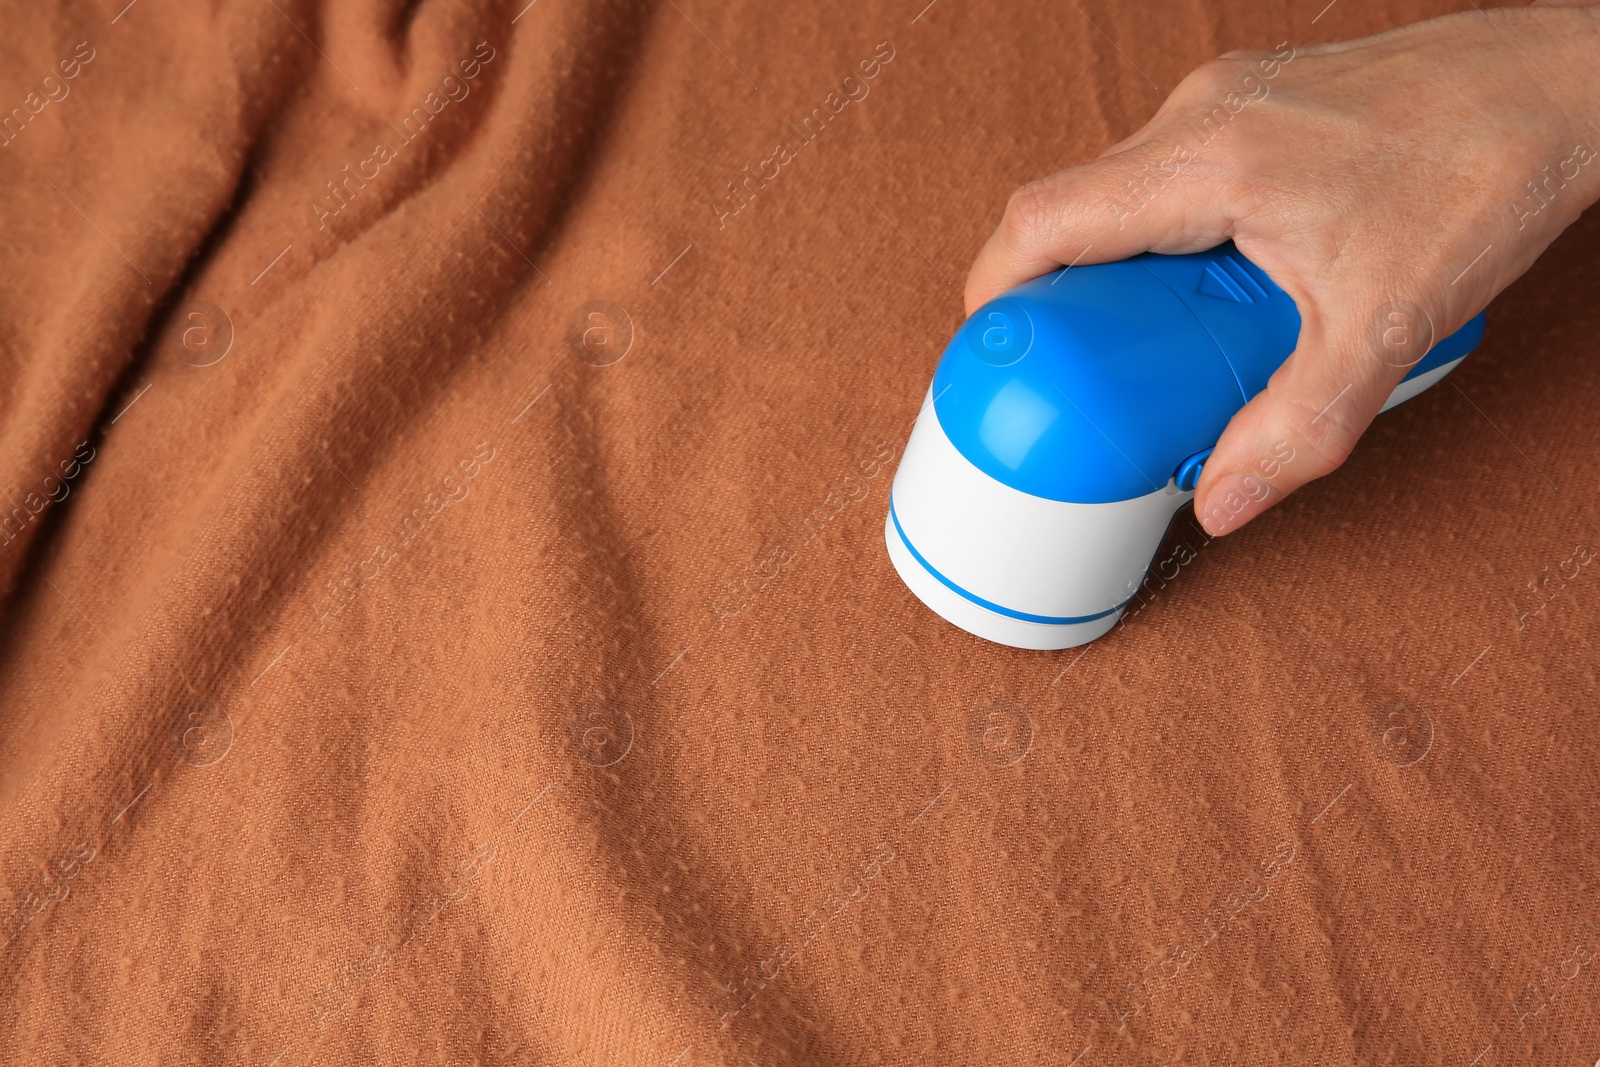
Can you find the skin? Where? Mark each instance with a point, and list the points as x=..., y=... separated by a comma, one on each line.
x=1365, y=177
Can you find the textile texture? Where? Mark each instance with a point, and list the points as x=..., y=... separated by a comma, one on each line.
x=446, y=616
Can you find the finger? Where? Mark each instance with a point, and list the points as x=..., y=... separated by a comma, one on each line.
x=1158, y=194
x=1143, y=198
x=1306, y=422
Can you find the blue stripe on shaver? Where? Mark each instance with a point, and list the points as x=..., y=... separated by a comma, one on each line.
x=1048, y=620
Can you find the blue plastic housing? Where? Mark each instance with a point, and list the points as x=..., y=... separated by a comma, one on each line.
x=1094, y=384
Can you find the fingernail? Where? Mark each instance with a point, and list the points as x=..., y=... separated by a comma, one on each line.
x=1234, y=501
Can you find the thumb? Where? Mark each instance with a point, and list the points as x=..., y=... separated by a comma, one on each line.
x=1307, y=420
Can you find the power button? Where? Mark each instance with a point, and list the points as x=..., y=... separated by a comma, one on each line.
x=1188, y=473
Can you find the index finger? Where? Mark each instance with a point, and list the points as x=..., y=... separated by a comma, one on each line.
x=1157, y=195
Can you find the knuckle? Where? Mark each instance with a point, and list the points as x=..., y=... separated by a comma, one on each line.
x=1028, y=214
x=1213, y=97
x=1326, y=433
x=1212, y=76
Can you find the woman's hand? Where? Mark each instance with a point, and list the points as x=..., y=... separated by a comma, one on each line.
x=1391, y=186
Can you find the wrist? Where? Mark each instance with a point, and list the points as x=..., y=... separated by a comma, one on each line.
x=1567, y=62
x=1553, y=49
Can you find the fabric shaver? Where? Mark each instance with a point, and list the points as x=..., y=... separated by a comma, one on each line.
x=1066, y=426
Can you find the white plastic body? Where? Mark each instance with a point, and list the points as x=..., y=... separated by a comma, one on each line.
x=1023, y=554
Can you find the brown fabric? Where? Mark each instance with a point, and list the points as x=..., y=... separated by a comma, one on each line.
x=404, y=685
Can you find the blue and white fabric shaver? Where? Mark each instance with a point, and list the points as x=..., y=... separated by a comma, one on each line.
x=1066, y=425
